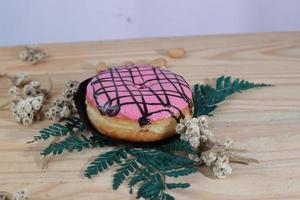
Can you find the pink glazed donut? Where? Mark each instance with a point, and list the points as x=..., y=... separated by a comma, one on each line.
x=138, y=103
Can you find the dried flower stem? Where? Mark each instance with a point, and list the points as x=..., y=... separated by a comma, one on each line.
x=242, y=160
x=229, y=151
x=5, y=104
x=212, y=153
x=50, y=85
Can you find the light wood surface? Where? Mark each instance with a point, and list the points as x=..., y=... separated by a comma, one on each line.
x=265, y=121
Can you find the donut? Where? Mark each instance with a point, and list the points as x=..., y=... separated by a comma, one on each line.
x=138, y=103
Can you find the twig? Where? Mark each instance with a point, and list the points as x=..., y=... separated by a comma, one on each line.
x=50, y=84
x=241, y=159
x=5, y=104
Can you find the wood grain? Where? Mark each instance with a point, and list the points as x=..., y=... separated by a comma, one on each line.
x=266, y=121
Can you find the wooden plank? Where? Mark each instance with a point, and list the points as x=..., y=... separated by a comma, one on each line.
x=266, y=121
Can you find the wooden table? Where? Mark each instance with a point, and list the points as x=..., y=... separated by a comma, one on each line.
x=266, y=121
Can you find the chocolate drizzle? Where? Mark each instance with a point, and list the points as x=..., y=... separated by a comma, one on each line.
x=124, y=80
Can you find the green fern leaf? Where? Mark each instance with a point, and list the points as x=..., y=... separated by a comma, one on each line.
x=165, y=196
x=103, y=161
x=172, y=186
x=206, y=98
x=54, y=130
x=103, y=141
x=155, y=165
x=70, y=143
x=129, y=166
x=141, y=174
x=151, y=188
x=176, y=144
x=154, y=158
x=58, y=130
x=181, y=172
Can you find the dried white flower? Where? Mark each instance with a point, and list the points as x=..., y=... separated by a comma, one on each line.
x=208, y=135
x=184, y=137
x=32, y=54
x=64, y=106
x=33, y=89
x=65, y=112
x=20, y=78
x=191, y=122
x=194, y=157
x=72, y=84
x=209, y=158
x=228, y=142
x=37, y=103
x=214, y=154
x=35, y=84
x=195, y=131
x=54, y=113
x=221, y=167
x=20, y=195
x=14, y=92
x=219, y=162
x=25, y=110
x=203, y=121
x=26, y=102
x=194, y=142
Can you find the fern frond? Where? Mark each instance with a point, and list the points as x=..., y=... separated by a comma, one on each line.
x=172, y=186
x=176, y=144
x=103, y=141
x=141, y=174
x=129, y=166
x=154, y=188
x=151, y=188
x=58, y=130
x=154, y=158
x=103, y=161
x=70, y=143
x=206, y=97
x=155, y=165
x=181, y=172
x=165, y=196
x=75, y=122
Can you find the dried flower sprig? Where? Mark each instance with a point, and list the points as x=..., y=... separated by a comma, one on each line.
x=212, y=153
x=196, y=132
x=27, y=102
x=63, y=106
x=25, y=110
x=20, y=79
x=33, y=54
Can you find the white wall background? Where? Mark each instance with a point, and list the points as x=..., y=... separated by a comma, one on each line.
x=43, y=21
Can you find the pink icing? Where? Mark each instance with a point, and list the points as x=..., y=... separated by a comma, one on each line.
x=139, y=91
